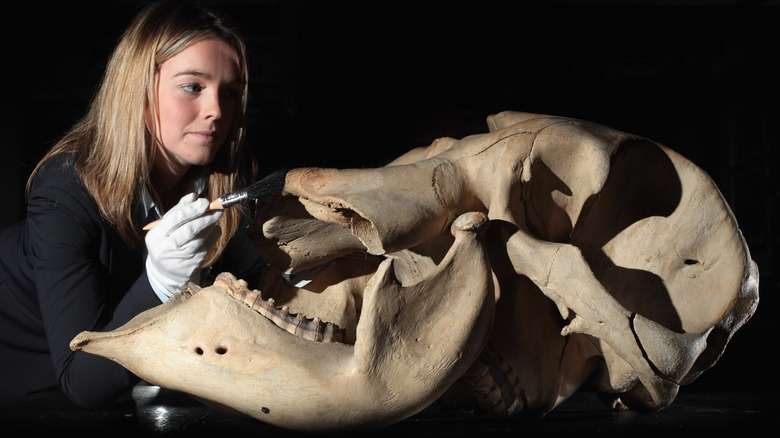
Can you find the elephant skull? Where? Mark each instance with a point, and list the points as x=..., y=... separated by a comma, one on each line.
x=500, y=272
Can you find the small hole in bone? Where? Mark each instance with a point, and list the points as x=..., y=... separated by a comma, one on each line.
x=691, y=262
x=199, y=351
x=221, y=350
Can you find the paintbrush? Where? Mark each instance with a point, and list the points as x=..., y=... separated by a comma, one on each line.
x=272, y=183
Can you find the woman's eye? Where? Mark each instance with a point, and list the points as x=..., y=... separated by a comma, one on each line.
x=192, y=88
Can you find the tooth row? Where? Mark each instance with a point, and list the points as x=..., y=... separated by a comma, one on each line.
x=312, y=329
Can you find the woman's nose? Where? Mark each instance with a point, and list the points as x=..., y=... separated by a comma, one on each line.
x=213, y=106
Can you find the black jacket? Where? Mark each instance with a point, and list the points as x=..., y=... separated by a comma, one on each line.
x=64, y=270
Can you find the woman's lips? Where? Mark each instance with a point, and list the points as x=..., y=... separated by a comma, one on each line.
x=204, y=135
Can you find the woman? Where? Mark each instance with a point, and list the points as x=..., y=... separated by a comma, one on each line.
x=163, y=135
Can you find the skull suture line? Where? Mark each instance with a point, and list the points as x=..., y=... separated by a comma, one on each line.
x=500, y=272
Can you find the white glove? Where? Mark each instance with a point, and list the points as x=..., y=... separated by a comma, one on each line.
x=178, y=245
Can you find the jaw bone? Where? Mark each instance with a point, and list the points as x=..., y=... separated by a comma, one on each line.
x=216, y=348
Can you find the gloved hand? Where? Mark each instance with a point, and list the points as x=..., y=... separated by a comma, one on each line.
x=179, y=244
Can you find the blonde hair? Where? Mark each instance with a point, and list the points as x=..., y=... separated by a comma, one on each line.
x=113, y=143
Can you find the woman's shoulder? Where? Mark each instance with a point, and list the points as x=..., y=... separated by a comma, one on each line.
x=59, y=172
x=57, y=179
x=57, y=168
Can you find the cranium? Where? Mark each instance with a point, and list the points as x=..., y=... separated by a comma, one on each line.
x=500, y=272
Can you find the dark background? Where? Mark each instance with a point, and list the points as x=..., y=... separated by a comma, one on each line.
x=357, y=83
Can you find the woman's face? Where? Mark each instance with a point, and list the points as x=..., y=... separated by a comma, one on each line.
x=198, y=92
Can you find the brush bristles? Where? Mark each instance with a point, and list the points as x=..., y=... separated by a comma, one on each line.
x=272, y=183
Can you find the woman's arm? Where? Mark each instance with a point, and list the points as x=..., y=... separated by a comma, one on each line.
x=72, y=260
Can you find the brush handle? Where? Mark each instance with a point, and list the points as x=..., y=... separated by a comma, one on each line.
x=216, y=204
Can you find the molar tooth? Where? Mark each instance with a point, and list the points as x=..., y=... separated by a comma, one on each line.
x=271, y=302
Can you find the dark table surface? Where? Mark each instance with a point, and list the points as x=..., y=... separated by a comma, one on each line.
x=155, y=412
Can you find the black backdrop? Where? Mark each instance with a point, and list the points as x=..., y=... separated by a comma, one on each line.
x=356, y=83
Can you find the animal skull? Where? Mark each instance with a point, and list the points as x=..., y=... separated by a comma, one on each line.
x=577, y=256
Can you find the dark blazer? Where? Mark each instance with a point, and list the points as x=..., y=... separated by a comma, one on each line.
x=64, y=270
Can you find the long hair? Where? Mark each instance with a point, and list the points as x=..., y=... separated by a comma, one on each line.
x=114, y=144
